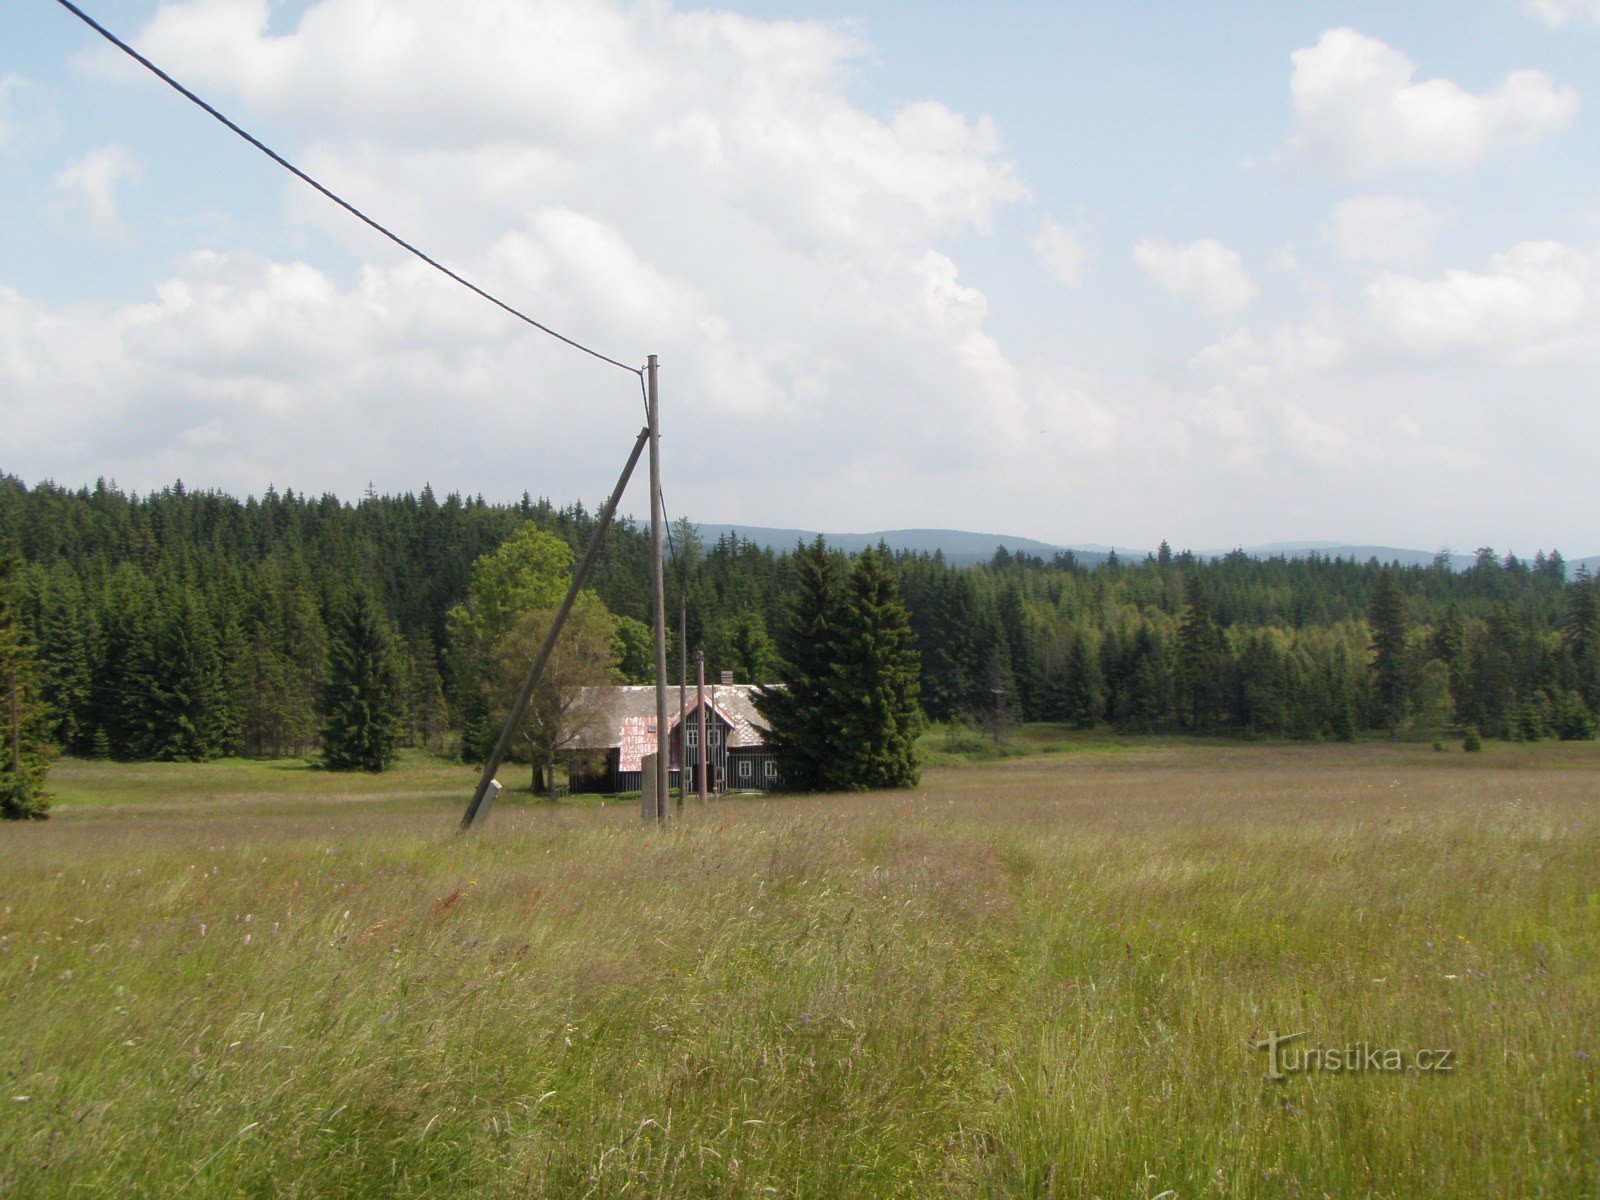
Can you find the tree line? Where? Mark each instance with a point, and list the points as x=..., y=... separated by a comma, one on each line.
x=187, y=624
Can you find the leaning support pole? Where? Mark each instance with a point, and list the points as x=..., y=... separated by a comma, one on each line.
x=498, y=755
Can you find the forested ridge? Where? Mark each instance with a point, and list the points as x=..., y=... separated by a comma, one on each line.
x=190, y=624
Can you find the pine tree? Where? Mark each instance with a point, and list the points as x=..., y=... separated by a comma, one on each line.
x=26, y=747
x=874, y=684
x=363, y=699
x=800, y=715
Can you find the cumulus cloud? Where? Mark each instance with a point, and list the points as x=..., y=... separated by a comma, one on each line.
x=1537, y=301
x=88, y=187
x=1556, y=13
x=1207, y=272
x=694, y=184
x=1062, y=253
x=1290, y=351
x=702, y=186
x=1381, y=229
x=1359, y=110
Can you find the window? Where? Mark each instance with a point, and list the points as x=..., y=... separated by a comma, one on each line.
x=772, y=769
x=744, y=768
x=694, y=734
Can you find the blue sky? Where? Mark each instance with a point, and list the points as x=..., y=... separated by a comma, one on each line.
x=1224, y=274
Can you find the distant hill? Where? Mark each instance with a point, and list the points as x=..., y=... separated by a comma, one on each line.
x=1384, y=554
x=965, y=548
x=1348, y=551
x=959, y=546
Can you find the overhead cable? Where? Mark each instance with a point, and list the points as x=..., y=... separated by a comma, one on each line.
x=331, y=195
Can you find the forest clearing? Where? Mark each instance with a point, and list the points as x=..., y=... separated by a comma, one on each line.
x=1042, y=975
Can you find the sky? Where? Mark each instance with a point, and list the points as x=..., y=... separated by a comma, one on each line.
x=1223, y=274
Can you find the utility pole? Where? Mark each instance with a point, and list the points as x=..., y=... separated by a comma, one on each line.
x=683, y=689
x=659, y=595
x=700, y=705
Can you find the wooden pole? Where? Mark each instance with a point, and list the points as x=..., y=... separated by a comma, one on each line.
x=498, y=754
x=647, y=788
x=658, y=588
x=683, y=689
x=700, y=703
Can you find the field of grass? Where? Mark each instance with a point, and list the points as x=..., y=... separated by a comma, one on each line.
x=1039, y=976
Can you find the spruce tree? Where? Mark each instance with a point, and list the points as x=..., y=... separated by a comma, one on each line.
x=1078, y=690
x=1201, y=650
x=63, y=648
x=1386, y=616
x=363, y=698
x=874, y=684
x=173, y=696
x=800, y=714
x=1580, y=637
x=26, y=747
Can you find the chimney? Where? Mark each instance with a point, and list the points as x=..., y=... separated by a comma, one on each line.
x=727, y=679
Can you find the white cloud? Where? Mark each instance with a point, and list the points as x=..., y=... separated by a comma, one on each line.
x=1359, y=110
x=1381, y=229
x=1206, y=271
x=1062, y=253
x=1556, y=13
x=89, y=186
x=703, y=186
x=754, y=112
x=693, y=184
x=1537, y=301
x=1288, y=352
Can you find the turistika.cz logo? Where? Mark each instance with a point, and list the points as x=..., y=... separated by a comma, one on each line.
x=1285, y=1058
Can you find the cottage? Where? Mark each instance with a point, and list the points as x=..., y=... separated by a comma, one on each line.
x=607, y=753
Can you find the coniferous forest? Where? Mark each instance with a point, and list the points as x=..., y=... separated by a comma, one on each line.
x=188, y=625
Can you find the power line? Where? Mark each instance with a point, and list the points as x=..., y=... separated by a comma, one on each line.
x=339, y=200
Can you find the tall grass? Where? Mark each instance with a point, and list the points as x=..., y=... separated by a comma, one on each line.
x=1039, y=977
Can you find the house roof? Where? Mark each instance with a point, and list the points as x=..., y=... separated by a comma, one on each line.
x=625, y=718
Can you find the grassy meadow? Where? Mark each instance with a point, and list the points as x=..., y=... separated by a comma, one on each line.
x=1035, y=976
